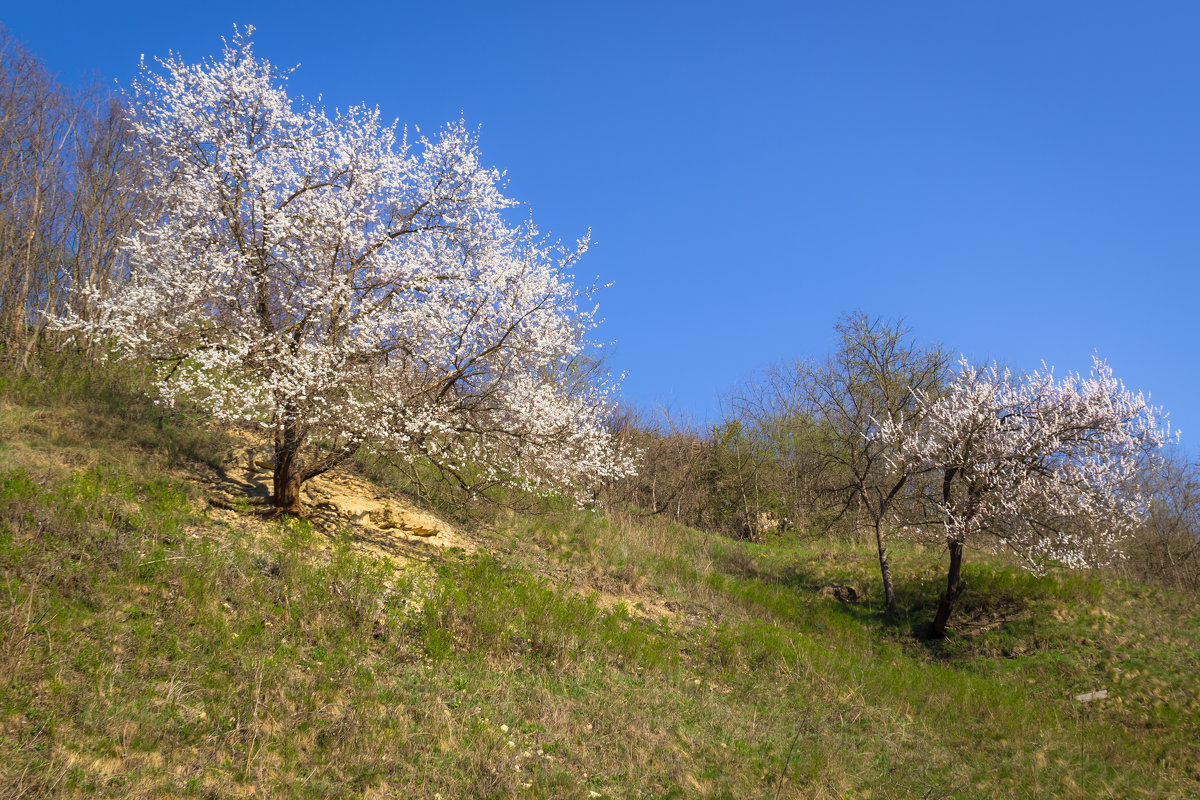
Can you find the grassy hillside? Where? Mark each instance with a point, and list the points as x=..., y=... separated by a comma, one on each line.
x=150, y=647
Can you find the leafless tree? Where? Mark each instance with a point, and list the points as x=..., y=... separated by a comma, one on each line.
x=70, y=188
x=776, y=448
x=107, y=195
x=875, y=376
x=35, y=134
x=1166, y=549
x=672, y=460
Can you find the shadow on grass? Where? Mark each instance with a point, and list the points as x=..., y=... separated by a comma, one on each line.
x=999, y=600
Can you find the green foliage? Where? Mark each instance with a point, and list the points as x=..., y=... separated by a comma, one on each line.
x=527, y=616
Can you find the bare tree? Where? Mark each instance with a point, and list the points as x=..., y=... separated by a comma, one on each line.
x=739, y=479
x=108, y=193
x=36, y=125
x=1166, y=549
x=71, y=186
x=775, y=415
x=671, y=462
x=875, y=377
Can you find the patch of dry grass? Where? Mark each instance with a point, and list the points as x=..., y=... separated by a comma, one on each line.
x=151, y=649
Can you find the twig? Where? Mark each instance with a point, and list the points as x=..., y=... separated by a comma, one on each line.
x=787, y=761
x=161, y=560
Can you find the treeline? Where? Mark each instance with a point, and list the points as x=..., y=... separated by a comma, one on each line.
x=69, y=190
x=794, y=452
x=785, y=454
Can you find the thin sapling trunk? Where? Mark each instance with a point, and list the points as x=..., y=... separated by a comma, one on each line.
x=885, y=570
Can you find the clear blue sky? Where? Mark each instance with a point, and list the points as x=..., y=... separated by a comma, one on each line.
x=1018, y=180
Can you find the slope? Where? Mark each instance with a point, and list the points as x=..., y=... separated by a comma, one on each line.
x=155, y=644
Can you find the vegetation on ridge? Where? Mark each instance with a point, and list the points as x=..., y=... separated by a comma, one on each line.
x=150, y=650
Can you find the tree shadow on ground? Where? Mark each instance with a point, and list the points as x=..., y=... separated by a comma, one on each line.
x=250, y=496
x=991, y=602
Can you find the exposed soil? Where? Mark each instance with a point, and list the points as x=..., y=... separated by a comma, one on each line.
x=336, y=503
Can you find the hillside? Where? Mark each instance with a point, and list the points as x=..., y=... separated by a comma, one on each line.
x=158, y=641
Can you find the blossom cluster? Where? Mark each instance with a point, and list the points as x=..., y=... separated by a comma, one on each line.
x=1045, y=466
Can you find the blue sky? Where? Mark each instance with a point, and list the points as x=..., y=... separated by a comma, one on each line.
x=1018, y=180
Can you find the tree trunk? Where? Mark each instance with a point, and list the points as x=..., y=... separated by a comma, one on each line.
x=287, y=493
x=954, y=588
x=877, y=514
x=287, y=477
x=885, y=569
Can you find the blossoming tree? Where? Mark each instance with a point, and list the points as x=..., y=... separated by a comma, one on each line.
x=341, y=287
x=1039, y=465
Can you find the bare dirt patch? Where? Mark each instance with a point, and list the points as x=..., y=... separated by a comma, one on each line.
x=336, y=504
x=642, y=605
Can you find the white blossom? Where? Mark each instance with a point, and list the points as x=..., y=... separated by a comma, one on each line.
x=339, y=285
x=1044, y=466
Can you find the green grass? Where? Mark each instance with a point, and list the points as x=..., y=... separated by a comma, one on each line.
x=147, y=650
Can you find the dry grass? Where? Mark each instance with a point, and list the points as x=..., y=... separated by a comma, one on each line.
x=151, y=649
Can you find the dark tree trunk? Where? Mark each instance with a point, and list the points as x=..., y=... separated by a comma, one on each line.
x=288, y=476
x=287, y=493
x=291, y=471
x=954, y=588
x=885, y=569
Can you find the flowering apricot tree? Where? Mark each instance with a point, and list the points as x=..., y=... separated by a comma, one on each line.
x=1041, y=466
x=340, y=287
